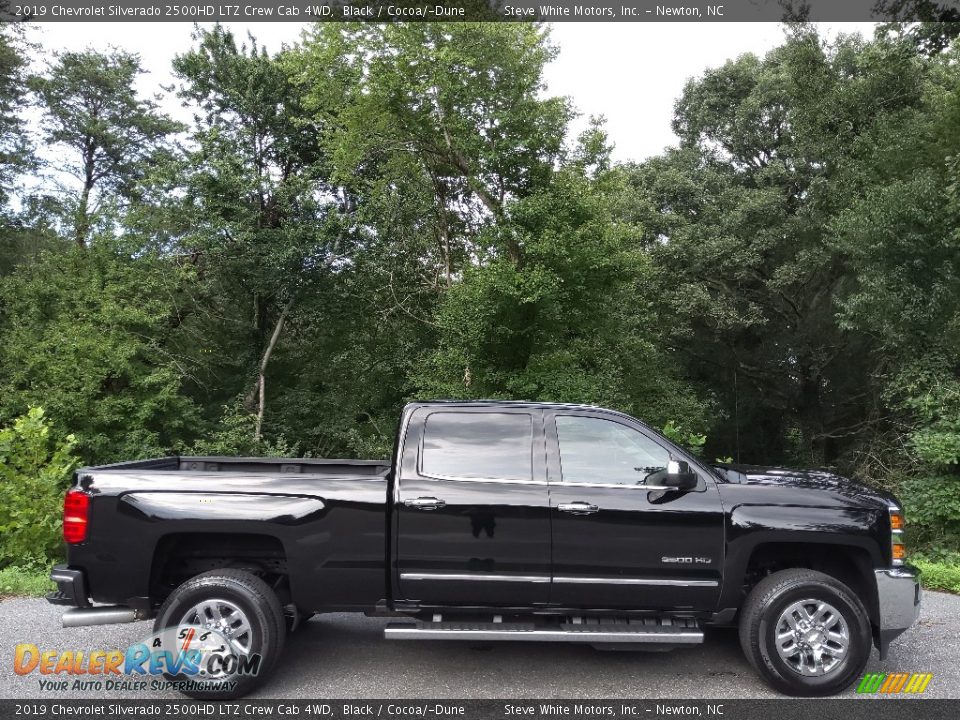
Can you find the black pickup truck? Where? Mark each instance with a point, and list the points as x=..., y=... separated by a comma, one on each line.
x=496, y=521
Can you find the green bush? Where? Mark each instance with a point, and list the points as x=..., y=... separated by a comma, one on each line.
x=939, y=571
x=929, y=391
x=932, y=504
x=34, y=468
x=33, y=581
x=235, y=436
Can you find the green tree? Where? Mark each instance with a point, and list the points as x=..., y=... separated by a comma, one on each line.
x=931, y=25
x=15, y=150
x=571, y=323
x=901, y=234
x=88, y=333
x=434, y=125
x=487, y=229
x=108, y=135
x=739, y=220
x=253, y=209
x=16, y=153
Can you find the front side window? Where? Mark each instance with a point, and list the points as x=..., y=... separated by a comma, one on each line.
x=478, y=445
x=594, y=450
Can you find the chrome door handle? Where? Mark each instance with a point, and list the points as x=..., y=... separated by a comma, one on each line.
x=425, y=503
x=578, y=508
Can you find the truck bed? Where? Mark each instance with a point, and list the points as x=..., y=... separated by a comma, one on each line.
x=320, y=522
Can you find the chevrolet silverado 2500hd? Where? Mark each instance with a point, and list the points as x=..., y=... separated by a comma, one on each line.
x=498, y=521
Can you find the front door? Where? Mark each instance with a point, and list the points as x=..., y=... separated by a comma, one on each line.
x=473, y=518
x=617, y=542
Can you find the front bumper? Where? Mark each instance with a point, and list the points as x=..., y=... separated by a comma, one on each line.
x=898, y=599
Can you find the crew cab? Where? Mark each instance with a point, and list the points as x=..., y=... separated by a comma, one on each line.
x=498, y=521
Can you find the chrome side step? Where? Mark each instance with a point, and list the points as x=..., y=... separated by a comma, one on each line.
x=670, y=631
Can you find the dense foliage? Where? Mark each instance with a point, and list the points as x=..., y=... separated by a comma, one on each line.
x=387, y=212
x=33, y=469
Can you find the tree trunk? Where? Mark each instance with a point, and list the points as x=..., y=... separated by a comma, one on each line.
x=262, y=377
x=448, y=266
x=82, y=227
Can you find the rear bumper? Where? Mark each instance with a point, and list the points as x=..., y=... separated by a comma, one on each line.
x=72, y=591
x=71, y=587
x=898, y=595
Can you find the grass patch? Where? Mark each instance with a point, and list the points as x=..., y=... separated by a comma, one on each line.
x=939, y=573
x=25, y=581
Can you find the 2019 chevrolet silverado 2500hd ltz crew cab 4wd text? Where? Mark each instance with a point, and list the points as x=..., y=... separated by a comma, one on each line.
x=499, y=521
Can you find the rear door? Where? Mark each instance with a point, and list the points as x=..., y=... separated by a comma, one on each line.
x=618, y=541
x=472, y=510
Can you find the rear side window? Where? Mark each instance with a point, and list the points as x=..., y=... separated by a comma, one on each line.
x=496, y=446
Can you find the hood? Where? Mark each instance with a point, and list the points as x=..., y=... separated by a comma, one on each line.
x=808, y=480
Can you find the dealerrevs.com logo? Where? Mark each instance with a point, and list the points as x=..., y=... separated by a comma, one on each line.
x=894, y=683
x=185, y=658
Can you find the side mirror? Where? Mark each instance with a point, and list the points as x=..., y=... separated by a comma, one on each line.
x=680, y=476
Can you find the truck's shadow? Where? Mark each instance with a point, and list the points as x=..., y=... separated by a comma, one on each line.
x=344, y=655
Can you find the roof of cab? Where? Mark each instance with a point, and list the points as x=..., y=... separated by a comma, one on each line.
x=480, y=402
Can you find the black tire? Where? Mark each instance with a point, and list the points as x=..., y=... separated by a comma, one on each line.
x=258, y=603
x=762, y=612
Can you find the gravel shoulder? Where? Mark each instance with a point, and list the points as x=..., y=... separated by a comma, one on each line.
x=345, y=656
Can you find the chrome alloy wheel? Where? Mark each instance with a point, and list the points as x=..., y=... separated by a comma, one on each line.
x=812, y=637
x=226, y=619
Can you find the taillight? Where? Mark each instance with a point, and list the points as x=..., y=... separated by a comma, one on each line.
x=76, y=516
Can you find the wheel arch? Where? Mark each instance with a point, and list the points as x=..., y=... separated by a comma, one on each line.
x=849, y=561
x=180, y=556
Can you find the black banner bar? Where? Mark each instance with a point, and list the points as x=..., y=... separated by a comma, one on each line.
x=480, y=10
x=892, y=708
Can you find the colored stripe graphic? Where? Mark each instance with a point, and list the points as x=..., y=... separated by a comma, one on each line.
x=893, y=683
x=918, y=682
x=871, y=682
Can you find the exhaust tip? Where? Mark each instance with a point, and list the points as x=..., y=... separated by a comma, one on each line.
x=104, y=615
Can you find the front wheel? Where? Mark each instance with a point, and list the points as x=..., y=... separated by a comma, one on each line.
x=806, y=633
x=225, y=630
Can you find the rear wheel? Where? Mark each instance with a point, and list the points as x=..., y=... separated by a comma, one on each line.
x=232, y=622
x=806, y=633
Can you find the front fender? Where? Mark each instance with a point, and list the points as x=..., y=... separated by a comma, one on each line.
x=751, y=525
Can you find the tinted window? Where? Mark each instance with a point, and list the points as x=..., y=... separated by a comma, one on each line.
x=594, y=450
x=478, y=445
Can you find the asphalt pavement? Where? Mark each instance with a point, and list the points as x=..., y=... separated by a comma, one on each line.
x=346, y=656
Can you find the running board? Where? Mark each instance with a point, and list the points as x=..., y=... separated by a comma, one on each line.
x=669, y=631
